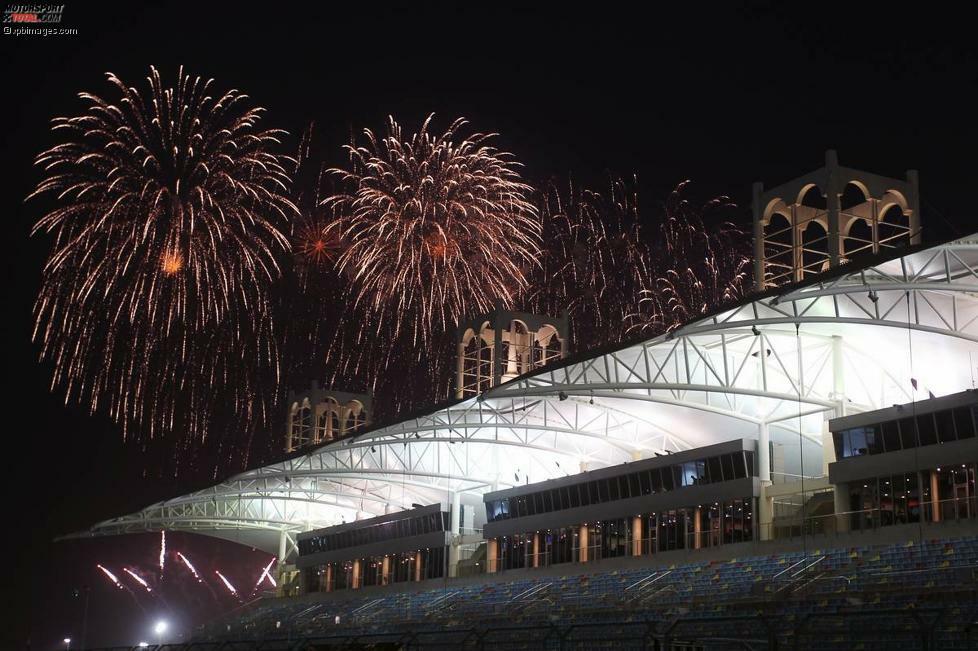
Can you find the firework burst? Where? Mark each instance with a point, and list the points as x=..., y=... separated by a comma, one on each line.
x=435, y=226
x=170, y=213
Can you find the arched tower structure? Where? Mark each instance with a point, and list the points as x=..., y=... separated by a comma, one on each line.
x=826, y=217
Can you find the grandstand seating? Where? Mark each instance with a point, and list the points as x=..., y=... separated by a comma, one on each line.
x=856, y=597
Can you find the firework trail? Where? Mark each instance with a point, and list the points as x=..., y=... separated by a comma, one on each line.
x=162, y=552
x=121, y=586
x=111, y=576
x=190, y=567
x=434, y=226
x=170, y=219
x=226, y=583
x=265, y=574
x=619, y=272
x=138, y=579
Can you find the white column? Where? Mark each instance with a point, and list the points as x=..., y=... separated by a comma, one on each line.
x=763, y=453
x=456, y=517
x=283, y=543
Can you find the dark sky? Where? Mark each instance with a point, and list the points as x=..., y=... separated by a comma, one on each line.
x=722, y=97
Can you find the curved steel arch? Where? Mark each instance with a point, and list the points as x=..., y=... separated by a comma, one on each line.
x=740, y=364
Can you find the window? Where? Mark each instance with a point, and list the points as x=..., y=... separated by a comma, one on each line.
x=713, y=464
x=908, y=433
x=613, y=493
x=656, y=478
x=645, y=482
x=668, y=477
x=751, y=467
x=634, y=489
x=926, y=429
x=727, y=461
x=891, y=437
x=592, y=489
x=740, y=470
x=964, y=422
x=574, y=499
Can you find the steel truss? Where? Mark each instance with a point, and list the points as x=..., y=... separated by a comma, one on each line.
x=859, y=339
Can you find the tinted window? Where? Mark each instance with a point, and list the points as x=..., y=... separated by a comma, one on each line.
x=645, y=481
x=612, y=488
x=713, y=466
x=945, y=428
x=634, y=490
x=964, y=423
x=926, y=429
x=908, y=433
x=666, y=476
x=574, y=497
x=656, y=477
x=891, y=436
x=592, y=489
x=727, y=461
x=740, y=471
x=751, y=468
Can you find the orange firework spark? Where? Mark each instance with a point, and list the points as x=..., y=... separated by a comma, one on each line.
x=436, y=227
x=171, y=219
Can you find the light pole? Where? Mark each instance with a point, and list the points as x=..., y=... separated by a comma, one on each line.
x=160, y=628
x=67, y=642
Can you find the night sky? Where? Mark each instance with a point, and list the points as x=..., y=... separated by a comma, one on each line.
x=724, y=98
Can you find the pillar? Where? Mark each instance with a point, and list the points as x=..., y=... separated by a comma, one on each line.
x=582, y=541
x=385, y=569
x=697, y=527
x=637, y=535
x=833, y=207
x=935, y=496
x=283, y=542
x=356, y=574
x=492, y=555
x=763, y=453
x=765, y=514
x=536, y=550
x=758, y=190
x=840, y=494
x=453, y=547
x=329, y=577
x=914, y=180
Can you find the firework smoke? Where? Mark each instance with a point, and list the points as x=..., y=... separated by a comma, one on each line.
x=169, y=219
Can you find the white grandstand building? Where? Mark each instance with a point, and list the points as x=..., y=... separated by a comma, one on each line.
x=852, y=315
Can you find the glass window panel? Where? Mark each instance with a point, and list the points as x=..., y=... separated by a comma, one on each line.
x=612, y=484
x=891, y=436
x=656, y=477
x=574, y=497
x=740, y=470
x=603, y=489
x=751, y=468
x=593, y=491
x=964, y=423
x=874, y=438
x=713, y=464
x=645, y=482
x=548, y=501
x=727, y=461
x=840, y=448
x=669, y=477
x=634, y=487
x=944, y=423
x=926, y=429
x=908, y=433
